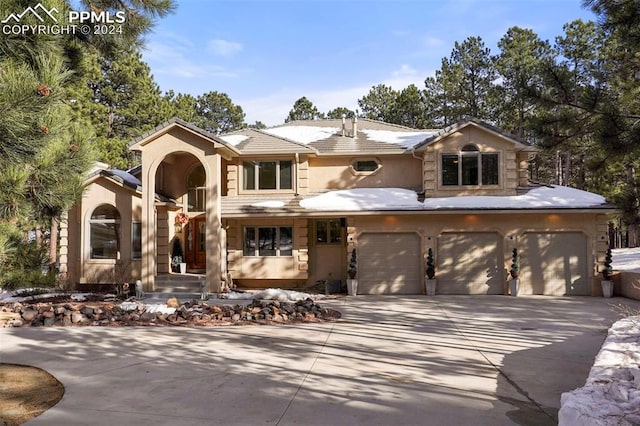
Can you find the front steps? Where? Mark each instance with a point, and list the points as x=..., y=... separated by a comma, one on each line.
x=179, y=283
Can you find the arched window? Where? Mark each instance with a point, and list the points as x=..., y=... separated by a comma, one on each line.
x=196, y=193
x=104, y=232
x=470, y=167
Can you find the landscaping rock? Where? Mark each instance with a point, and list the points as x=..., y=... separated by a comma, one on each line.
x=194, y=312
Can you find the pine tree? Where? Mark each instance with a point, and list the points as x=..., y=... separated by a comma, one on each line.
x=303, y=109
x=379, y=103
x=218, y=114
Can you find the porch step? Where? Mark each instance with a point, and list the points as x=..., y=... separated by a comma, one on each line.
x=179, y=283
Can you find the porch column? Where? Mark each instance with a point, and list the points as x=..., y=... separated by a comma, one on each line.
x=213, y=234
x=148, y=224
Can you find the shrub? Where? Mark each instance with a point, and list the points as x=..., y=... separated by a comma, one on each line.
x=515, y=264
x=431, y=269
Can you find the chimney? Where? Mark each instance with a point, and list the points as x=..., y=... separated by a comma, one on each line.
x=354, y=127
x=344, y=123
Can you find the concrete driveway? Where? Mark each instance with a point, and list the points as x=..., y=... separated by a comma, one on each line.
x=414, y=360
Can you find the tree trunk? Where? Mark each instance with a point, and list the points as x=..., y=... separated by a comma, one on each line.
x=53, y=245
x=567, y=169
x=581, y=173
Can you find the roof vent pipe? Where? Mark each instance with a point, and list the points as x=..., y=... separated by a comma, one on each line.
x=344, y=123
x=354, y=125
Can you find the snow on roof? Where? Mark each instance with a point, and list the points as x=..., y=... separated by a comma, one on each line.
x=552, y=196
x=269, y=204
x=363, y=199
x=404, y=139
x=303, y=134
x=626, y=259
x=234, y=139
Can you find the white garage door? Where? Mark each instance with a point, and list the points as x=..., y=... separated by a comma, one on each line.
x=554, y=264
x=389, y=263
x=470, y=263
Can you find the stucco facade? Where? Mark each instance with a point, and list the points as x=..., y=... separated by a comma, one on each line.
x=248, y=208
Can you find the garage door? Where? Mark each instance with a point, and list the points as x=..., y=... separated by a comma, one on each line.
x=470, y=263
x=389, y=264
x=554, y=264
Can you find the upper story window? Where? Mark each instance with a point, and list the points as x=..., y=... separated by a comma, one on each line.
x=267, y=175
x=196, y=193
x=470, y=167
x=104, y=232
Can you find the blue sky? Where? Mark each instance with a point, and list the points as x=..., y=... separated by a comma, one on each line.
x=267, y=54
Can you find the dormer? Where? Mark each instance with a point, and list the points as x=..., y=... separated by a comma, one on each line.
x=474, y=158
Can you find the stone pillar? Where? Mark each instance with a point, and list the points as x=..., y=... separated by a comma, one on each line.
x=148, y=273
x=213, y=237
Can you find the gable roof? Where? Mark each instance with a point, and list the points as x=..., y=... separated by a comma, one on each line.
x=165, y=127
x=333, y=136
x=470, y=121
x=329, y=137
x=255, y=141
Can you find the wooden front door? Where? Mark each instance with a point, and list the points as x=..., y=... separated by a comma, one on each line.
x=196, y=244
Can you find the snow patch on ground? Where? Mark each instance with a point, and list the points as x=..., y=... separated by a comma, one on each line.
x=20, y=295
x=626, y=259
x=611, y=395
x=273, y=294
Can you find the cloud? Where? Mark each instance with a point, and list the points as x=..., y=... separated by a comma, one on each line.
x=433, y=42
x=224, y=47
x=176, y=64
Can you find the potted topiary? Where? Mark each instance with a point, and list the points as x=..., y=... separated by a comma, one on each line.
x=607, y=272
x=177, y=257
x=352, y=282
x=514, y=271
x=430, y=281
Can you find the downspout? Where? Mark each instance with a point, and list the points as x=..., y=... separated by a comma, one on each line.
x=297, y=157
x=413, y=154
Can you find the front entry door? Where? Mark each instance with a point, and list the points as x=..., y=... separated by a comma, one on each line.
x=196, y=244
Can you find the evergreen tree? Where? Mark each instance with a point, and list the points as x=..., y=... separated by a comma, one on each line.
x=44, y=143
x=218, y=114
x=339, y=112
x=257, y=125
x=410, y=108
x=183, y=106
x=467, y=79
x=128, y=103
x=518, y=65
x=379, y=103
x=303, y=109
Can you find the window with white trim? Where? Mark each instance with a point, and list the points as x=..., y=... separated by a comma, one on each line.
x=265, y=241
x=104, y=233
x=267, y=175
x=470, y=167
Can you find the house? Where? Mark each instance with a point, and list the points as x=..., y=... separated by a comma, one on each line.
x=285, y=207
